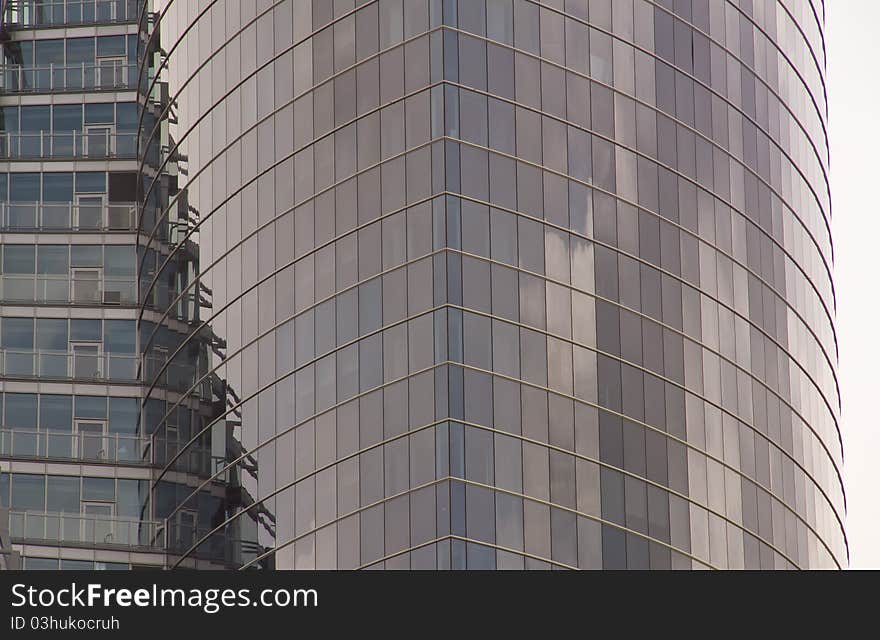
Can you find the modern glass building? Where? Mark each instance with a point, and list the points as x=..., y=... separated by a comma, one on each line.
x=74, y=457
x=458, y=284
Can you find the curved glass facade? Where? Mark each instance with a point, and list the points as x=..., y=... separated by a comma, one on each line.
x=492, y=284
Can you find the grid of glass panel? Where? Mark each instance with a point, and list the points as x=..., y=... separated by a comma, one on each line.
x=74, y=446
x=505, y=283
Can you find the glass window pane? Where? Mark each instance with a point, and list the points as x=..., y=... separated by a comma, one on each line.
x=80, y=50
x=56, y=412
x=51, y=334
x=91, y=182
x=101, y=113
x=86, y=256
x=28, y=492
x=21, y=411
x=119, y=261
x=123, y=415
x=57, y=187
x=85, y=330
x=111, y=46
x=119, y=336
x=62, y=494
x=53, y=259
x=17, y=333
x=18, y=259
x=49, y=52
x=67, y=117
x=90, y=407
x=103, y=489
x=24, y=187
x=35, y=119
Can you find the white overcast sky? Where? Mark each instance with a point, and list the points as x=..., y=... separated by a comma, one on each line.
x=853, y=46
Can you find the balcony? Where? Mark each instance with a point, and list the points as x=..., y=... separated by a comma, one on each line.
x=220, y=547
x=102, y=75
x=80, y=447
x=54, y=13
x=195, y=458
x=97, y=446
x=10, y=560
x=92, y=289
x=87, y=364
x=174, y=376
x=85, y=530
x=69, y=365
x=72, y=145
x=67, y=217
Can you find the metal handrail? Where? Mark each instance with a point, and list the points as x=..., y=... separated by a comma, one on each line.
x=111, y=73
x=88, y=530
x=114, y=367
x=109, y=447
x=68, y=216
x=194, y=459
x=68, y=365
x=173, y=375
x=218, y=546
x=70, y=144
x=48, y=288
x=47, y=13
x=10, y=559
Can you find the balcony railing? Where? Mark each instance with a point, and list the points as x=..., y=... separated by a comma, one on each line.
x=87, y=530
x=196, y=458
x=49, y=216
x=10, y=560
x=110, y=447
x=56, y=77
x=48, y=289
x=219, y=547
x=106, y=367
x=49, y=13
x=72, y=144
x=68, y=365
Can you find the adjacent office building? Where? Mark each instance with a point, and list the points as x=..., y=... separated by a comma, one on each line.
x=73, y=482
x=418, y=284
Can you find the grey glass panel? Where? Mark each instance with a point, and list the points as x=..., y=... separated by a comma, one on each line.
x=591, y=209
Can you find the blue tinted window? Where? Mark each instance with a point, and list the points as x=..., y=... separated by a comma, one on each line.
x=86, y=255
x=123, y=415
x=91, y=182
x=100, y=113
x=85, y=330
x=62, y=494
x=67, y=117
x=35, y=119
x=126, y=116
x=99, y=489
x=49, y=52
x=8, y=118
x=111, y=46
x=57, y=187
x=28, y=492
x=80, y=50
x=24, y=187
x=17, y=333
x=119, y=336
x=18, y=259
x=4, y=490
x=56, y=412
x=53, y=259
x=51, y=334
x=21, y=411
x=90, y=407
